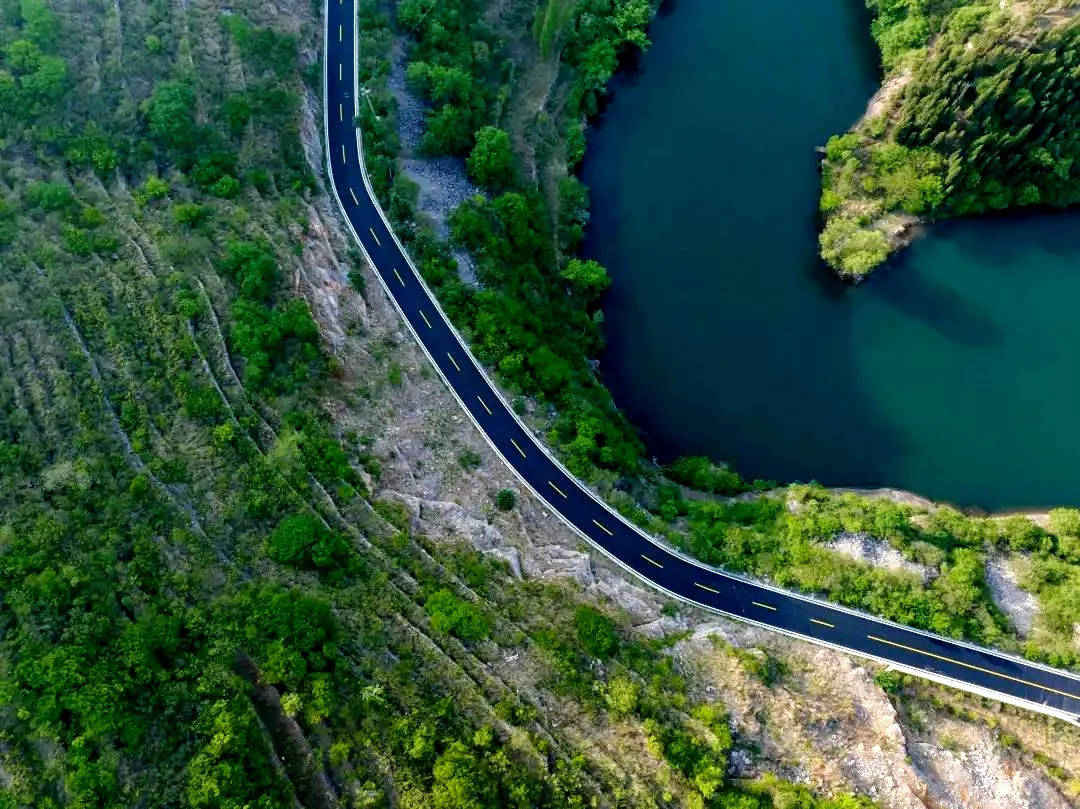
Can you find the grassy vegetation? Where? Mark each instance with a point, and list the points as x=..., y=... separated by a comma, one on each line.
x=979, y=120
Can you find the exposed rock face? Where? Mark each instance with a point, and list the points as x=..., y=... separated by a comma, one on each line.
x=876, y=552
x=979, y=773
x=1021, y=606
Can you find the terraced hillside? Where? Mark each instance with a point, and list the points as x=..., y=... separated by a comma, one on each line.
x=250, y=555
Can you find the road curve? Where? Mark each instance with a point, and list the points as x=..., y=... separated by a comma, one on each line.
x=981, y=671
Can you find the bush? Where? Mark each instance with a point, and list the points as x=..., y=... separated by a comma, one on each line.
x=890, y=681
x=303, y=541
x=698, y=472
x=506, y=499
x=596, y=632
x=451, y=614
x=190, y=214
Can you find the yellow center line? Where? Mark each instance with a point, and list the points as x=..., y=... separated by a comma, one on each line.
x=763, y=606
x=822, y=623
x=453, y=360
x=973, y=667
x=428, y=322
x=376, y=238
x=488, y=409
x=340, y=33
x=400, y=279
x=603, y=528
x=652, y=561
x=556, y=488
x=354, y=199
x=703, y=587
x=519, y=449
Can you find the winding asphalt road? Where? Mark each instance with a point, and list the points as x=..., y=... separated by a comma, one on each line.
x=961, y=665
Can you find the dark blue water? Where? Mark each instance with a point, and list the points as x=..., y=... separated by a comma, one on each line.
x=953, y=372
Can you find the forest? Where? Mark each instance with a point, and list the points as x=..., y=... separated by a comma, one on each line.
x=980, y=117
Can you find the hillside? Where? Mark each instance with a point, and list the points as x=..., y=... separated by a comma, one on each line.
x=251, y=554
x=976, y=113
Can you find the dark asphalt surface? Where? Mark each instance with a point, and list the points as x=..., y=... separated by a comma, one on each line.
x=857, y=633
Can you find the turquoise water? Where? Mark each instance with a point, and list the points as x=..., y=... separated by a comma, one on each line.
x=953, y=372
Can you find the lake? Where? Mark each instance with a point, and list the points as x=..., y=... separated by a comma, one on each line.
x=952, y=372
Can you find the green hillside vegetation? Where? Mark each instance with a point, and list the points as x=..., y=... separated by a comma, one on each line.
x=203, y=603
x=534, y=319
x=980, y=118
x=783, y=539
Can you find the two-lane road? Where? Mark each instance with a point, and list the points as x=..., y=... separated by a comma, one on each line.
x=959, y=664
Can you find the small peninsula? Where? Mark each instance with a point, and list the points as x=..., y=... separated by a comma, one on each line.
x=977, y=112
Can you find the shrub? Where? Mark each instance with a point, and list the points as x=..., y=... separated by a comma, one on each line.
x=596, y=632
x=506, y=499
x=303, y=541
x=451, y=614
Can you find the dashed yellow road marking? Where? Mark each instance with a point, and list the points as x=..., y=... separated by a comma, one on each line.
x=651, y=561
x=354, y=199
x=340, y=33
x=518, y=448
x=603, y=528
x=973, y=667
x=822, y=623
x=451, y=356
x=482, y=402
x=705, y=587
x=426, y=321
x=556, y=488
x=339, y=69
x=376, y=238
x=763, y=606
x=400, y=279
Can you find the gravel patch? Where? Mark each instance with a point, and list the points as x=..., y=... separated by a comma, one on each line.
x=1020, y=605
x=443, y=185
x=876, y=552
x=443, y=182
x=410, y=109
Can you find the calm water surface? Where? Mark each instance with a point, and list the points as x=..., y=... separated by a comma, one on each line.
x=954, y=372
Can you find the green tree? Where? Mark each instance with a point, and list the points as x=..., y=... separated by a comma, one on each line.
x=461, y=780
x=851, y=249
x=171, y=114
x=587, y=276
x=303, y=541
x=621, y=696
x=40, y=23
x=491, y=161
